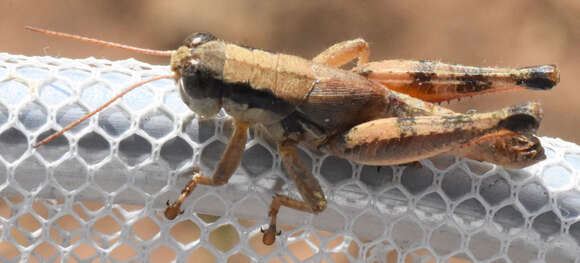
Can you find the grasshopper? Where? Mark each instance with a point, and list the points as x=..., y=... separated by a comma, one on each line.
x=377, y=113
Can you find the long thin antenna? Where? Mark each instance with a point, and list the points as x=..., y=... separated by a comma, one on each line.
x=90, y=114
x=162, y=53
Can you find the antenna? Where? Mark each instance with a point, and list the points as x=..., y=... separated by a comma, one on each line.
x=153, y=52
x=100, y=108
x=163, y=53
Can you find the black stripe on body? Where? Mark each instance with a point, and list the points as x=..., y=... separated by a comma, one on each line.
x=244, y=94
x=299, y=123
x=200, y=83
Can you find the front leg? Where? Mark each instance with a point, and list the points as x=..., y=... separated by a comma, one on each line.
x=226, y=167
x=308, y=186
x=344, y=52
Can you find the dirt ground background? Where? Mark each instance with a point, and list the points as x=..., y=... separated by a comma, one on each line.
x=491, y=33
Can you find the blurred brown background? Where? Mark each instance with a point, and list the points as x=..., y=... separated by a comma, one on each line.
x=492, y=33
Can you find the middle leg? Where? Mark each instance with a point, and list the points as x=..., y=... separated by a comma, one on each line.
x=308, y=186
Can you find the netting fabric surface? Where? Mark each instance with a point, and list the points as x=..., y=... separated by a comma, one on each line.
x=97, y=193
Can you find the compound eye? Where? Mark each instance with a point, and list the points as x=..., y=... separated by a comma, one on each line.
x=197, y=39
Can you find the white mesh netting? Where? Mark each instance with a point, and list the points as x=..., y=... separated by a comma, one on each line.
x=97, y=193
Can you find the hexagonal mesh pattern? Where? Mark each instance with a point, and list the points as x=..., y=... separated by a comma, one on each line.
x=97, y=193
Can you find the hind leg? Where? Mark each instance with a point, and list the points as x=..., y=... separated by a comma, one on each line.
x=392, y=141
x=437, y=82
x=505, y=148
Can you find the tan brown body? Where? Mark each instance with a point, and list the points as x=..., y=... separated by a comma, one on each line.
x=331, y=101
x=360, y=115
x=378, y=113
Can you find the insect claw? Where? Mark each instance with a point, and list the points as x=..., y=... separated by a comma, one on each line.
x=172, y=211
x=279, y=233
x=195, y=169
x=270, y=234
